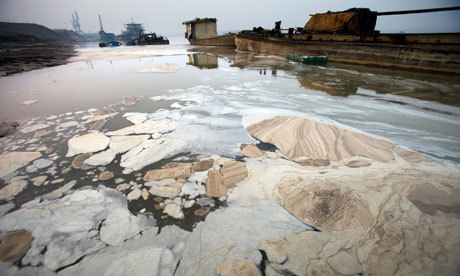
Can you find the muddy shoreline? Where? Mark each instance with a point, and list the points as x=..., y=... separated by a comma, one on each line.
x=18, y=57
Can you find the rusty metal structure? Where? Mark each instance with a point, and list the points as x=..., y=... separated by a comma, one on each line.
x=356, y=20
x=349, y=36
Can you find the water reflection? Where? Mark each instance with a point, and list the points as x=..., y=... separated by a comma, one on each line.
x=256, y=61
x=344, y=80
x=203, y=61
x=333, y=82
x=246, y=60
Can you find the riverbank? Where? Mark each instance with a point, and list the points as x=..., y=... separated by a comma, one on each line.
x=21, y=57
x=25, y=47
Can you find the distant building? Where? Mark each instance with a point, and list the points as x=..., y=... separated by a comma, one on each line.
x=201, y=28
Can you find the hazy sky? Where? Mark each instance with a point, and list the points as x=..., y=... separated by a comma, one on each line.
x=166, y=16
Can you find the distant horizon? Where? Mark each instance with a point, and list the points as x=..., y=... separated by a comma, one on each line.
x=220, y=32
x=167, y=17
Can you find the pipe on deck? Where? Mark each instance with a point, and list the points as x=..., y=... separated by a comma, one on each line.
x=418, y=11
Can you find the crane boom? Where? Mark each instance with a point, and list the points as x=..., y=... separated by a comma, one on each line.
x=100, y=23
x=76, y=22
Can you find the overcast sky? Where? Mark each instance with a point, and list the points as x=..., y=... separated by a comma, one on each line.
x=166, y=16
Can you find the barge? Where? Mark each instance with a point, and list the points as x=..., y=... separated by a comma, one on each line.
x=349, y=37
x=134, y=34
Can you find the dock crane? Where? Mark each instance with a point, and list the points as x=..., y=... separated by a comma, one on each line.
x=76, y=22
x=106, y=38
x=101, y=31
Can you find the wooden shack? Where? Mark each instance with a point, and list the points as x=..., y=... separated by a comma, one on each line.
x=201, y=28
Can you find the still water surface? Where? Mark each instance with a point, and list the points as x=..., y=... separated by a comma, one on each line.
x=217, y=91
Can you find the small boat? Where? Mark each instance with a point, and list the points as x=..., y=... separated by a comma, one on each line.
x=110, y=44
x=149, y=39
x=315, y=60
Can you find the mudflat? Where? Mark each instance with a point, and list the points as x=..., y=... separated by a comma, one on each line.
x=19, y=57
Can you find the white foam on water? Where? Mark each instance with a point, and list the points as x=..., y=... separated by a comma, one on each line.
x=219, y=112
x=454, y=110
x=125, y=52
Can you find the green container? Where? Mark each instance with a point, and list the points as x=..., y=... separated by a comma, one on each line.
x=307, y=60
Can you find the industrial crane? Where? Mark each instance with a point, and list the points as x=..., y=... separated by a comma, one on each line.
x=76, y=22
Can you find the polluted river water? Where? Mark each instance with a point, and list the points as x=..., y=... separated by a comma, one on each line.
x=146, y=132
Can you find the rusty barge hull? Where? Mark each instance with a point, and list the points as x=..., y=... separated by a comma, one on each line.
x=428, y=52
x=222, y=40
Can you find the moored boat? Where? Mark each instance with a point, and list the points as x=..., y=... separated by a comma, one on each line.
x=110, y=44
x=152, y=39
x=349, y=37
x=221, y=40
x=134, y=34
